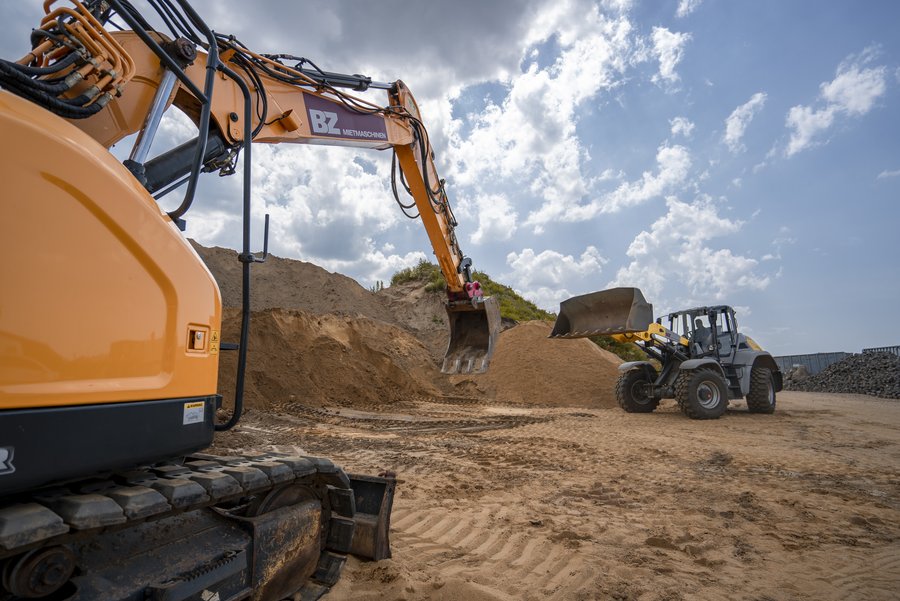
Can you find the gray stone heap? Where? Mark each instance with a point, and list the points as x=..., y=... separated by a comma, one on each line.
x=876, y=374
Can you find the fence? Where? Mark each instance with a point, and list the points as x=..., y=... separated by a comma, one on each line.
x=895, y=350
x=815, y=362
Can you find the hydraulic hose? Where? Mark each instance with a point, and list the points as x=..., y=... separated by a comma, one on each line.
x=246, y=257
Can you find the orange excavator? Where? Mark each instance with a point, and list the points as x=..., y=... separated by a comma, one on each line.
x=110, y=323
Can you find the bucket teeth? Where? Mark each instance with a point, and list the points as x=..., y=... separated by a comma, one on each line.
x=474, y=329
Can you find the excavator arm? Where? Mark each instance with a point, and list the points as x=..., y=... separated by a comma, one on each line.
x=292, y=104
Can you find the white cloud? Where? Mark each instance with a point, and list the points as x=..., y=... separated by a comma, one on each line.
x=673, y=167
x=686, y=7
x=682, y=126
x=540, y=277
x=620, y=6
x=530, y=134
x=852, y=93
x=496, y=219
x=668, y=47
x=806, y=123
x=674, y=258
x=780, y=241
x=375, y=265
x=737, y=122
x=886, y=174
x=674, y=164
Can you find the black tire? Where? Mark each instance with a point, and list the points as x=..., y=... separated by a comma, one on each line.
x=761, y=397
x=629, y=394
x=701, y=393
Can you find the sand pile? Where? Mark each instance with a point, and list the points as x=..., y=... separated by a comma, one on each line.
x=321, y=360
x=528, y=367
x=289, y=284
x=323, y=339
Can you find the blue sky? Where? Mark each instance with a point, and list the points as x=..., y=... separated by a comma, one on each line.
x=705, y=151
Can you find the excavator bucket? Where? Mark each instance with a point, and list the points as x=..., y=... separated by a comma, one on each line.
x=474, y=329
x=613, y=311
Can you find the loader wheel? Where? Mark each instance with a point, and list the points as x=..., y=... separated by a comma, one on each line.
x=761, y=397
x=701, y=394
x=631, y=392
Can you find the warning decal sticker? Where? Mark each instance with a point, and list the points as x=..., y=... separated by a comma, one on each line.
x=193, y=413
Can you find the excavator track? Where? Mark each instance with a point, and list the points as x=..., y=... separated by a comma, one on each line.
x=259, y=526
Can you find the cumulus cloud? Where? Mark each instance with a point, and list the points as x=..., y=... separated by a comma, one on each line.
x=674, y=163
x=737, y=122
x=668, y=47
x=686, y=7
x=496, y=219
x=682, y=126
x=541, y=276
x=676, y=256
x=528, y=133
x=852, y=93
x=673, y=167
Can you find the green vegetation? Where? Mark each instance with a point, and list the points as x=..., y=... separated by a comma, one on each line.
x=422, y=272
x=627, y=351
x=512, y=304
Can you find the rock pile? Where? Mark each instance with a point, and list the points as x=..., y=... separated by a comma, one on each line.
x=794, y=376
x=876, y=374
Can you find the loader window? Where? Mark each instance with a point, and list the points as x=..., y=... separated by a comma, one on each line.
x=699, y=326
x=726, y=333
x=679, y=324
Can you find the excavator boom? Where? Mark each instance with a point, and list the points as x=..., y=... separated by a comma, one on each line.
x=305, y=106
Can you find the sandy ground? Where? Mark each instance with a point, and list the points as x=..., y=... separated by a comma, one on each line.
x=509, y=502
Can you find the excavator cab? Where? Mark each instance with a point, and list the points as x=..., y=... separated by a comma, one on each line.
x=474, y=328
x=613, y=311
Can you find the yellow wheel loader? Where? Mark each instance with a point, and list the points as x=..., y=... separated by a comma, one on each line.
x=110, y=324
x=704, y=359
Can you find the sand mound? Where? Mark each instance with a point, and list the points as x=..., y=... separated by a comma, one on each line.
x=290, y=284
x=320, y=338
x=325, y=360
x=528, y=367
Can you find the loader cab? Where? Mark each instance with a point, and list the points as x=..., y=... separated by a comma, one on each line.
x=708, y=329
x=725, y=334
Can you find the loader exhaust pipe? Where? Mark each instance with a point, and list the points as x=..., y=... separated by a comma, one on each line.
x=613, y=311
x=474, y=328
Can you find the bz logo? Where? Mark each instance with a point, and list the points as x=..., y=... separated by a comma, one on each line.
x=323, y=122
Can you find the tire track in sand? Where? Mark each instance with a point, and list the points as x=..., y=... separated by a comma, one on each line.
x=494, y=547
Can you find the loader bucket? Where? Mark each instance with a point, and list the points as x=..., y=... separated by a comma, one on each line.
x=474, y=329
x=374, y=498
x=613, y=311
